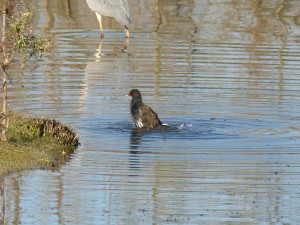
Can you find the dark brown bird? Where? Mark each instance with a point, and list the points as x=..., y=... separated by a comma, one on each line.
x=142, y=115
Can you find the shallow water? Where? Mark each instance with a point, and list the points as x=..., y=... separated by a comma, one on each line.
x=223, y=74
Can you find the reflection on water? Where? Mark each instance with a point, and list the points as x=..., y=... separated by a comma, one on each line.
x=223, y=74
x=135, y=140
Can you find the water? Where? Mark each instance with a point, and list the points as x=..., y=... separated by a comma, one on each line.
x=223, y=74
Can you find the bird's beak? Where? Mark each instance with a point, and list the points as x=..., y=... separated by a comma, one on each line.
x=128, y=94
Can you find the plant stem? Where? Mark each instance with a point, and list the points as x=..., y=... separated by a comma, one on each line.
x=4, y=74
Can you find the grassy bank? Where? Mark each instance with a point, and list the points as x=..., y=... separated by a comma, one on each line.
x=35, y=143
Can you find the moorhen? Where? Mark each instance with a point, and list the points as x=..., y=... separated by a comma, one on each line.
x=142, y=115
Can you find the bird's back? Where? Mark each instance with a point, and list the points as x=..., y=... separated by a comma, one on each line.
x=149, y=117
x=119, y=9
x=143, y=116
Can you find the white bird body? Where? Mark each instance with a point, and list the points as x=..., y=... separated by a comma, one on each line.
x=118, y=9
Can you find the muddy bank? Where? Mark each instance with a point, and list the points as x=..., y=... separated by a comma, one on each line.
x=35, y=143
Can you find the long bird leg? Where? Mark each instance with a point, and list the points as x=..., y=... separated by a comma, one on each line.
x=126, y=31
x=100, y=25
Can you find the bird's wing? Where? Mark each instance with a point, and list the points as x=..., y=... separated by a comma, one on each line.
x=149, y=117
x=117, y=3
x=119, y=9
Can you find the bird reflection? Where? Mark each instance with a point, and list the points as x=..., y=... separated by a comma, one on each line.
x=105, y=65
x=126, y=45
x=98, y=53
x=135, y=142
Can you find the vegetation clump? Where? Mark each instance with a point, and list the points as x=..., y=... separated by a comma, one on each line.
x=35, y=143
x=26, y=128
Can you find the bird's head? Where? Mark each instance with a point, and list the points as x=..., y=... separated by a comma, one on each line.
x=134, y=93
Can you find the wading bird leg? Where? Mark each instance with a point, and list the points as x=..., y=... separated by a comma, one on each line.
x=100, y=25
x=126, y=31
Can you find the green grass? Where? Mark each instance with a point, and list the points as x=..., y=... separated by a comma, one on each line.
x=35, y=143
